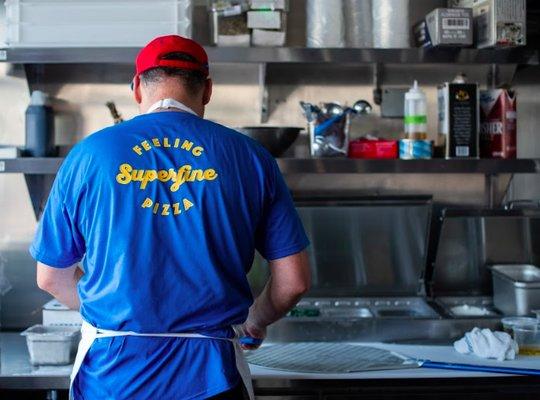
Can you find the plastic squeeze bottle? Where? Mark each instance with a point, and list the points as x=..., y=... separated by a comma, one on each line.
x=415, y=115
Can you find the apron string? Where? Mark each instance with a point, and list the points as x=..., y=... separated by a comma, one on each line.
x=90, y=333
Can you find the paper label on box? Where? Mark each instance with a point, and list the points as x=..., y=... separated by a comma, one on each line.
x=455, y=23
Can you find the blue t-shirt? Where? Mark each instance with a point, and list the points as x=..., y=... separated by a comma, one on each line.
x=166, y=211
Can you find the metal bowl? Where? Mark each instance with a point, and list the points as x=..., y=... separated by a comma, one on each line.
x=275, y=139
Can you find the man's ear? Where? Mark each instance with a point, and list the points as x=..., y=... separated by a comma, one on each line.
x=137, y=89
x=207, y=94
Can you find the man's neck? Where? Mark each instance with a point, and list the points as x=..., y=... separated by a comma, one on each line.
x=198, y=109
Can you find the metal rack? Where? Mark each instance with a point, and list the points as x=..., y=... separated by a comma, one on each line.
x=288, y=55
x=40, y=172
x=49, y=166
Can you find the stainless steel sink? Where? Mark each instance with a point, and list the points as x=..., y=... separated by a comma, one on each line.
x=384, y=319
x=379, y=307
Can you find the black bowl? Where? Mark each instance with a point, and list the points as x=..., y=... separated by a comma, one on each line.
x=275, y=139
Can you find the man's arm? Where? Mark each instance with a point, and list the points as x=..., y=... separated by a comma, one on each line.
x=61, y=283
x=290, y=279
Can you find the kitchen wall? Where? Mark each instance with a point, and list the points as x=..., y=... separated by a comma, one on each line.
x=80, y=93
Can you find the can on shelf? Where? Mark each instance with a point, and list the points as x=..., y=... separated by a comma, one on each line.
x=413, y=149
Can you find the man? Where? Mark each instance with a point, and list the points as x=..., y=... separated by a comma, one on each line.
x=167, y=210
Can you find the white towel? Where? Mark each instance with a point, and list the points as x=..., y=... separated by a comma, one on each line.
x=485, y=343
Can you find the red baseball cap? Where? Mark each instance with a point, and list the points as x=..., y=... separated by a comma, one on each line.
x=153, y=55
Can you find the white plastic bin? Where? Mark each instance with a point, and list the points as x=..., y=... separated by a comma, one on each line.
x=52, y=345
x=99, y=23
x=57, y=314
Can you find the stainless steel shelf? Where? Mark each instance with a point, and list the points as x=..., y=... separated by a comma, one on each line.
x=42, y=166
x=125, y=55
x=30, y=165
x=435, y=166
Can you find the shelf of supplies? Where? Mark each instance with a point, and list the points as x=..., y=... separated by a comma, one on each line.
x=240, y=55
x=43, y=166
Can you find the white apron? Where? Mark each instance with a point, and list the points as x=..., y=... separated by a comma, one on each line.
x=90, y=333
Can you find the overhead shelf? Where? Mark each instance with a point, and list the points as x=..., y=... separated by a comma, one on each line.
x=126, y=55
x=434, y=166
x=334, y=166
x=30, y=165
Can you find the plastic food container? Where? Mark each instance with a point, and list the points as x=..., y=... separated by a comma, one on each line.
x=510, y=322
x=516, y=288
x=98, y=23
x=52, y=345
x=373, y=149
x=528, y=339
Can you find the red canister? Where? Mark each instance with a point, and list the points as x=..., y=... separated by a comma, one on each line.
x=373, y=148
x=498, y=129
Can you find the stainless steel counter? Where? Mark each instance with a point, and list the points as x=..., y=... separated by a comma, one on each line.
x=17, y=373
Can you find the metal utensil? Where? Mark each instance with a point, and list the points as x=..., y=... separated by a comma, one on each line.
x=275, y=139
x=362, y=107
x=333, y=109
x=117, y=117
x=479, y=368
x=324, y=357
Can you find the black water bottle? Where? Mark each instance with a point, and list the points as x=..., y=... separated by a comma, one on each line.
x=39, y=127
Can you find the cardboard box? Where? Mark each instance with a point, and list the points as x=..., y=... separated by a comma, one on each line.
x=268, y=38
x=459, y=119
x=497, y=23
x=266, y=20
x=234, y=40
x=498, y=118
x=445, y=27
x=270, y=5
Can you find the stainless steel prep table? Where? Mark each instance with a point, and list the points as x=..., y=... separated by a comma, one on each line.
x=17, y=373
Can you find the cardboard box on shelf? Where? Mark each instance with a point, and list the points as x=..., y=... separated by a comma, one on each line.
x=445, y=27
x=497, y=23
x=459, y=119
x=233, y=40
x=266, y=20
x=268, y=38
x=498, y=131
x=270, y=5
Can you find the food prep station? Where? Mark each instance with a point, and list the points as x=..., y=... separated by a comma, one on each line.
x=406, y=255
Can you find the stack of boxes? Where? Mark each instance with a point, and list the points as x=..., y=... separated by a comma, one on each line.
x=267, y=19
x=494, y=23
x=498, y=23
x=228, y=23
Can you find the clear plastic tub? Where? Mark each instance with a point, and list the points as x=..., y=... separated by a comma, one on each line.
x=510, y=322
x=86, y=23
x=528, y=339
x=52, y=345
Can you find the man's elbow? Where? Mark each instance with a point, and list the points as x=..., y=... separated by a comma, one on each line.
x=46, y=283
x=301, y=287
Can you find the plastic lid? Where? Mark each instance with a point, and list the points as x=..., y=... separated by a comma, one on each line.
x=415, y=93
x=39, y=98
x=519, y=321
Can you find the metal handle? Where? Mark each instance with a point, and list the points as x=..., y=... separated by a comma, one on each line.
x=479, y=368
x=522, y=204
